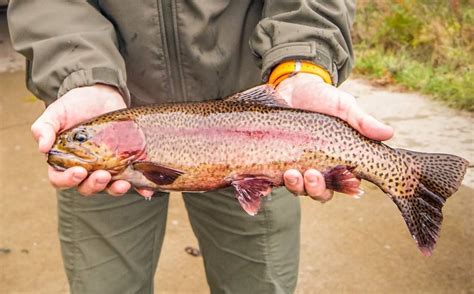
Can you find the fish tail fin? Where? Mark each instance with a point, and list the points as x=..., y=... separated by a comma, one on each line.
x=429, y=180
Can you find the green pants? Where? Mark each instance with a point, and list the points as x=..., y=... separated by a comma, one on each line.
x=112, y=244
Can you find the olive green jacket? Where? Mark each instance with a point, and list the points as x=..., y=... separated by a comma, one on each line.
x=178, y=50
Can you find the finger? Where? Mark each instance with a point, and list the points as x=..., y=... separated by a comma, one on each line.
x=374, y=129
x=325, y=197
x=294, y=181
x=314, y=183
x=44, y=131
x=147, y=193
x=118, y=188
x=68, y=178
x=348, y=110
x=96, y=182
x=367, y=125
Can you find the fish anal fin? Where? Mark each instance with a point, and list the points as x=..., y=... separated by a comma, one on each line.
x=263, y=94
x=341, y=179
x=249, y=190
x=158, y=174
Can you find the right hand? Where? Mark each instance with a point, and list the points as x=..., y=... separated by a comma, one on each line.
x=72, y=108
x=310, y=92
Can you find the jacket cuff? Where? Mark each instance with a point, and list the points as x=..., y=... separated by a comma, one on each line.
x=299, y=50
x=98, y=75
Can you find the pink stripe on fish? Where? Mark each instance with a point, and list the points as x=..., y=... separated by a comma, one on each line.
x=219, y=132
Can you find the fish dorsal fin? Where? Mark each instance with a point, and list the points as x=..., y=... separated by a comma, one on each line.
x=263, y=94
x=158, y=174
x=248, y=191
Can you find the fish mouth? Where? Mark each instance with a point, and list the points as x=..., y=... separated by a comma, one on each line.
x=59, y=160
x=57, y=166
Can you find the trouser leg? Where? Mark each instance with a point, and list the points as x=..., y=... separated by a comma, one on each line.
x=111, y=244
x=243, y=253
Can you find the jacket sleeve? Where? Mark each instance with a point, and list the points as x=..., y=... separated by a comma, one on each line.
x=317, y=31
x=67, y=44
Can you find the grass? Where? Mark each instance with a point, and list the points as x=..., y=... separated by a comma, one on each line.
x=426, y=46
x=454, y=88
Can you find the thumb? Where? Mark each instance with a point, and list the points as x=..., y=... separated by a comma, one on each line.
x=347, y=109
x=367, y=125
x=374, y=129
x=44, y=130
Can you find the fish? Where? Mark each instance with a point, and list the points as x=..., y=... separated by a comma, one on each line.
x=247, y=141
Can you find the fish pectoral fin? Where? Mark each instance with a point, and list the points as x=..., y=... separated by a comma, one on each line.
x=249, y=190
x=263, y=94
x=341, y=179
x=158, y=174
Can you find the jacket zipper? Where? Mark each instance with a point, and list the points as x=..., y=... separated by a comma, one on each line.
x=172, y=47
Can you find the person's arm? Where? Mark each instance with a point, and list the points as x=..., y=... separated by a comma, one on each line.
x=74, y=65
x=317, y=32
x=67, y=44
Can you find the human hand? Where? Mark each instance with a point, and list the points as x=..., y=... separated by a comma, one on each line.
x=310, y=92
x=74, y=107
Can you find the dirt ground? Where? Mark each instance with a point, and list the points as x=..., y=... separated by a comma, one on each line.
x=348, y=245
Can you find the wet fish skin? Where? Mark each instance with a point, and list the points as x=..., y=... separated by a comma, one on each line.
x=248, y=141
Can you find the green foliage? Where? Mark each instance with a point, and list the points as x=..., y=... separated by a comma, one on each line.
x=423, y=45
x=400, y=29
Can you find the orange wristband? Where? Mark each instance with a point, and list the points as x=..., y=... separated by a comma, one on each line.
x=289, y=68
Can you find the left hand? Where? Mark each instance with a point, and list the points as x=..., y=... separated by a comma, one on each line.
x=310, y=92
x=76, y=106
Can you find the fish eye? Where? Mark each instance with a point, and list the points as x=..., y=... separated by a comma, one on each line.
x=80, y=136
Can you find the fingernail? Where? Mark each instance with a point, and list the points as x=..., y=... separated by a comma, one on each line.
x=292, y=181
x=76, y=177
x=102, y=181
x=113, y=193
x=312, y=180
x=40, y=143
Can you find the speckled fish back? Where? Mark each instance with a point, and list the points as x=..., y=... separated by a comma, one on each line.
x=240, y=136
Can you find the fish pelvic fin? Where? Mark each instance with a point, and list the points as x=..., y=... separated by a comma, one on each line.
x=249, y=190
x=430, y=180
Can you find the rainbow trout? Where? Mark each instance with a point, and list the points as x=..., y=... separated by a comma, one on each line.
x=247, y=141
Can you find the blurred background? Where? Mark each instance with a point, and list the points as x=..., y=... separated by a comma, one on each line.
x=414, y=72
x=424, y=45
